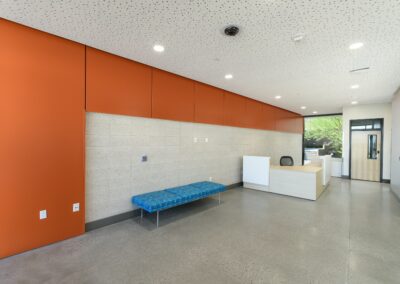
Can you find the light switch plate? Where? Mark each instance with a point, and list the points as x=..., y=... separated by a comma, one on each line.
x=42, y=214
x=75, y=207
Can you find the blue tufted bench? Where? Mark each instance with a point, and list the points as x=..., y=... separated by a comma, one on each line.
x=157, y=201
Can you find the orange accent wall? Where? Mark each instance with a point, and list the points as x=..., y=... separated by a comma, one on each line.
x=287, y=121
x=117, y=85
x=234, y=110
x=254, y=114
x=269, y=119
x=172, y=96
x=42, y=125
x=209, y=102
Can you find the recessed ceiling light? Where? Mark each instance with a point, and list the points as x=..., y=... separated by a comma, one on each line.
x=278, y=97
x=355, y=86
x=228, y=76
x=354, y=102
x=356, y=45
x=303, y=107
x=158, y=48
x=315, y=112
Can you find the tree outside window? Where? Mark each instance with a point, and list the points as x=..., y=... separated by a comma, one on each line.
x=323, y=136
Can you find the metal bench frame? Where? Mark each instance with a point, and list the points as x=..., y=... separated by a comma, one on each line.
x=158, y=211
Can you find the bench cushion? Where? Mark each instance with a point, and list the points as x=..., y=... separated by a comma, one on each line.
x=164, y=199
x=157, y=200
x=209, y=187
x=188, y=192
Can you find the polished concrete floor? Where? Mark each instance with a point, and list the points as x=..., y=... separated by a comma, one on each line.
x=350, y=235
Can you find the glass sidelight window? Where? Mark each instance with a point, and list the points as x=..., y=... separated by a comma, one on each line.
x=372, y=147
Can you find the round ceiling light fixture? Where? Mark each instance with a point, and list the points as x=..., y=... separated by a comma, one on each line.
x=356, y=45
x=228, y=76
x=158, y=48
x=303, y=107
x=231, y=30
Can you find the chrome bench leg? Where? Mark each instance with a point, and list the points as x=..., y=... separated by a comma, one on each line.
x=158, y=217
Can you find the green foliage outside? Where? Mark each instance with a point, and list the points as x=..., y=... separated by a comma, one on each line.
x=324, y=132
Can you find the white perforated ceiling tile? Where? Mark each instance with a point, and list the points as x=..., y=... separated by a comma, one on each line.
x=262, y=58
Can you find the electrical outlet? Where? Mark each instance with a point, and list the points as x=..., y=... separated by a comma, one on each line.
x=75, y=207
x=42, y=214
x=144, y=158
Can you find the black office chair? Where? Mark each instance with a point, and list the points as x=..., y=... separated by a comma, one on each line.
x=286, y=161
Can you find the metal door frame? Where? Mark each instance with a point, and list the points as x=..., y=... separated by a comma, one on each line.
x=381, y=153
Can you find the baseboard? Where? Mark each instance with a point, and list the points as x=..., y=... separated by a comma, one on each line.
x=231, y=186
x=111, y=220
x=382, y=181
x=90, y=226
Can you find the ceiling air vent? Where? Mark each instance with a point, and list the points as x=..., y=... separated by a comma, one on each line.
x=359, y=70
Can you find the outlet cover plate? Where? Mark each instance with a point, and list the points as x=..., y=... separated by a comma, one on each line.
x=42, y=214
x=75, y=207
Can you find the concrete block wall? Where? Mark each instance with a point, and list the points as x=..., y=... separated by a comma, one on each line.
x=178, y=153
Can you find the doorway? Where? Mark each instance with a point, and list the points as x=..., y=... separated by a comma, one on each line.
x=366, y=149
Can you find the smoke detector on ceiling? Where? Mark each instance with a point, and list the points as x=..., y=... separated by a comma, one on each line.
x=231, y=30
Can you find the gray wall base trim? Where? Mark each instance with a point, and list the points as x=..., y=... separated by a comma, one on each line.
x=111, y=220
x=90, y=226
x=382, y=181
x=231, y=186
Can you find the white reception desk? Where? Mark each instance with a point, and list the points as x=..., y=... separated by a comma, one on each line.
x=298, y=181
x=256, y=172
